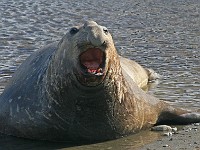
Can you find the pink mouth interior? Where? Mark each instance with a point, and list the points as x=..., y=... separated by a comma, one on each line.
x=92, y=59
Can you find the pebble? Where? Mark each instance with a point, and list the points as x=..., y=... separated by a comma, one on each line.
x=161, y=128
x=166, y=145
x=174, y=129
x=196, y=124
x=168, y=134
x=186, y=130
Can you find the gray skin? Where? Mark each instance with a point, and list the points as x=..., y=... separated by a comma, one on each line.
x=50, y=97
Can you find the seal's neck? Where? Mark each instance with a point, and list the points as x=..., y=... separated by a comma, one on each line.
x=58, y=74
x=115, y=80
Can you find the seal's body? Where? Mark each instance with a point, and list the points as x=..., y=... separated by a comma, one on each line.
x=81, y=89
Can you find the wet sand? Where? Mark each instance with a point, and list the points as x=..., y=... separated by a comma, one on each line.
x=186, y=138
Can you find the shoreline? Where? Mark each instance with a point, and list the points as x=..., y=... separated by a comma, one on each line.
x=187, y=138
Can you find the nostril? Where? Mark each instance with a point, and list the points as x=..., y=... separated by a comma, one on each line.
x=73, y=30
x=104, y=43
x=105, y=30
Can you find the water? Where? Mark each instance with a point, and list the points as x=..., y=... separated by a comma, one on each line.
x=163, y=35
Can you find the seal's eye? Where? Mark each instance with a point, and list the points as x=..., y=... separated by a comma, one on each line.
x=73, y=30
x=105, y=30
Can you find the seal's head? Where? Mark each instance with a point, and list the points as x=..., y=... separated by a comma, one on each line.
x=89, y=52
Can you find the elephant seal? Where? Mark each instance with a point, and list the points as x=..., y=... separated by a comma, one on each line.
x=77, y=90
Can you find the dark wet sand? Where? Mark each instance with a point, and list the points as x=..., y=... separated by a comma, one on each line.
x=187, y=138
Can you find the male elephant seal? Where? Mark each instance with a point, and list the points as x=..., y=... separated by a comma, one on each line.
x=78, y=90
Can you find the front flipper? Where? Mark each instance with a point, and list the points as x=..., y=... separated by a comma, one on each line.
x=191, y=117
x=178, y=116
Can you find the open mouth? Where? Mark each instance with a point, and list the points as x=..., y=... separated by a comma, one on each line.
x=92, y=62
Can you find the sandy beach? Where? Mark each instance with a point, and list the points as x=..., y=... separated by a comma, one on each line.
x=187, y=138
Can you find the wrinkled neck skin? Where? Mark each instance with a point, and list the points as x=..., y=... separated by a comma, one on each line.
x=103, y=106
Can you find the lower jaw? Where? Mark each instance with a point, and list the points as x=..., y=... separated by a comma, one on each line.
x=90, y=80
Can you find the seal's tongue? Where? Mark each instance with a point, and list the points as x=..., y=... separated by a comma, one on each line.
x=92, y=59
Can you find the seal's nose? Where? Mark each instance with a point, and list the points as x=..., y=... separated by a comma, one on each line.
x=90, y=23
x=97, y=34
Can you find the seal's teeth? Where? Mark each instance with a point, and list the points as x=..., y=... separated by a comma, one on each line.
x=99, y=72
x=92, y=71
